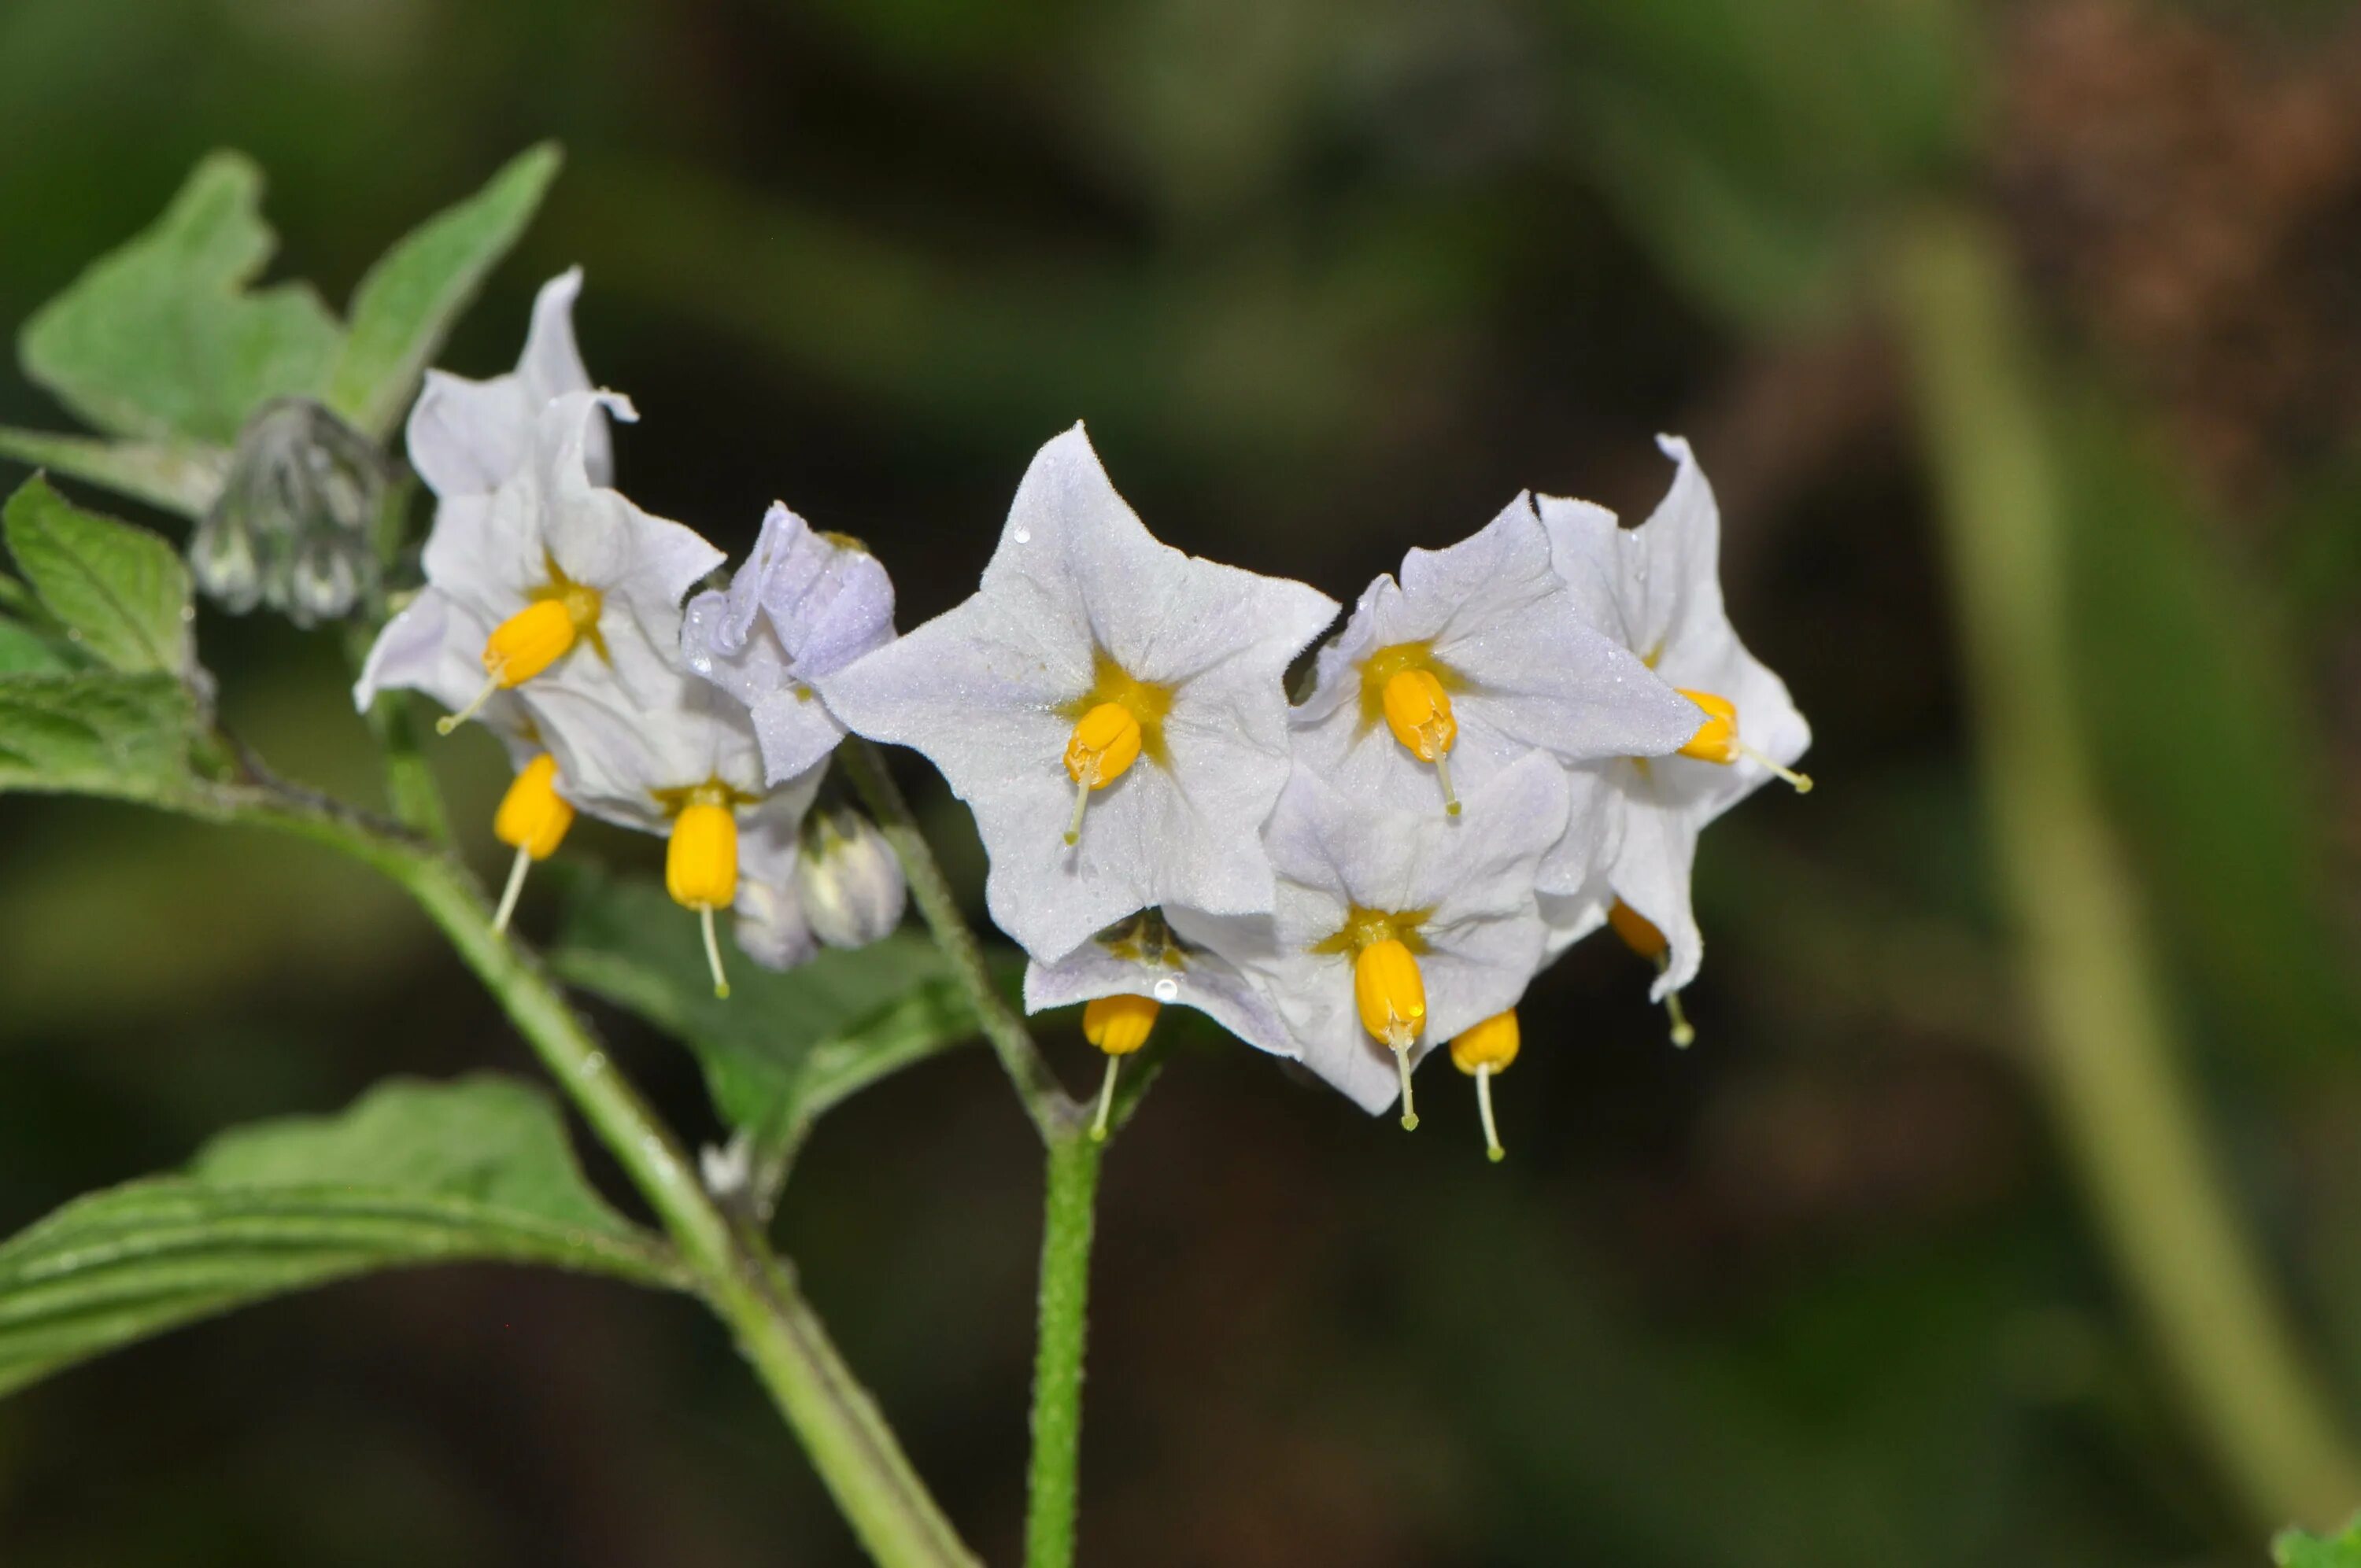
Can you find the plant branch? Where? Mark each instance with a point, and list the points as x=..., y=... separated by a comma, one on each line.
x=2105, y=1052
x=1052, y=1492
x=1054, y=1114
x=850, y=1445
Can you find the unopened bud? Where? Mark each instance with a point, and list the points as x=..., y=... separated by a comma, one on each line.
x=302, y=494
x=850, y=881
x=770, y=927
x=221, y=560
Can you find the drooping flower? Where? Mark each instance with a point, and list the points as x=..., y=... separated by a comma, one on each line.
x=848, y=880
x=804, y=605
x=1656, y=590
x=1476, y=658
x=1097, y=667
x=466, y=438
x=1395, y=930
x=1129, y=971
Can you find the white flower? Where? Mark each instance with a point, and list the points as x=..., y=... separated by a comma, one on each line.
x=1656, y=590
x=804, y=605
x=1144, y=955
x=466, y=437
x=1447, y=907
x=1091, y=647
x=1476, y=658
x=550, y=579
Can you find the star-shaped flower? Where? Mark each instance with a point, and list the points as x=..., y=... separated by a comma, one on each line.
x=1395, y=930
x=1656, y=590
x=1098, y=667
x=1475, y=659
x=550, y=577
x=466, y=437
x=804, y=605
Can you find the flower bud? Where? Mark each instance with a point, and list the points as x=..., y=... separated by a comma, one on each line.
x=850, y=882
x=771, y=928
x=300, y=500
x=221, y=560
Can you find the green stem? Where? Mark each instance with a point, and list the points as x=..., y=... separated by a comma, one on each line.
x=2106, y=1056
x=1052, y=1494
x=851, y=1446
x=1055, y=1112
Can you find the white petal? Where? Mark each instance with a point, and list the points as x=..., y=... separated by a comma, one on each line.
x=1205, y=980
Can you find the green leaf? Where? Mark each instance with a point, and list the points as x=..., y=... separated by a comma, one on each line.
x=97, y=733
x=163, y=339
x=181, y=476
x=26, y=651
x=119, y=591
x=405, y=307
x=785, y=1047
x=476, y=1170
x=2298, y=1549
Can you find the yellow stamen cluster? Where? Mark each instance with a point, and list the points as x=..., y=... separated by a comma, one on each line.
x=1117, y=721
x=1717, y=740
x=701, y=863
x=533, y=821
x=562, y=613
x=1117, y=1026
x=1391, y=996
x=1481, y=1052
x=1407, y=686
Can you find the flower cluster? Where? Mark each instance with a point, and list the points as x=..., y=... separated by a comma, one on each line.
x=553, y=615
x=1513, y=741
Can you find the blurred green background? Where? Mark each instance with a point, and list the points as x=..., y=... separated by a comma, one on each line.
x=1327, y=280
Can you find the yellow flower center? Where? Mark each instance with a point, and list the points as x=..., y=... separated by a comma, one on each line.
x=1117, y=721
x=1640, y=934
x=1408, y=688
x=557, y=616
x=1717, y=740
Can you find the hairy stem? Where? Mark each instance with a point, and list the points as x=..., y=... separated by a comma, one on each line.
x=851, y=1446
x=2105, y=1054
x=1053, y=1489
x=1055, y=1112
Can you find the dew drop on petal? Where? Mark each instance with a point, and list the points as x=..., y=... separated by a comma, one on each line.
x=1167, y=989
x=1022, y=534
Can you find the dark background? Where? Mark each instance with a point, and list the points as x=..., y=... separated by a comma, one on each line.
x=1327, y=280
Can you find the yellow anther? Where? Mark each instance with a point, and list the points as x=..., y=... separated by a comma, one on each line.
x=1640, y=934
x=701, y=865
x=1480, y=1052
x=531, y=640
x=1718, y=741
x=1418, y=710
x=1105, y=743
x=1391, y=996
x=531, y=820
x=1117, y=1026
x=534, y=817
x=1490, y=1046
x=1120, y=1025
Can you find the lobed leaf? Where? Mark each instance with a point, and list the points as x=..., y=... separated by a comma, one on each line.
x=96, y=733
x=162, y=339
x=476, y=1170
x=786, y=1047
x=118, y=591
x=406, y=305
